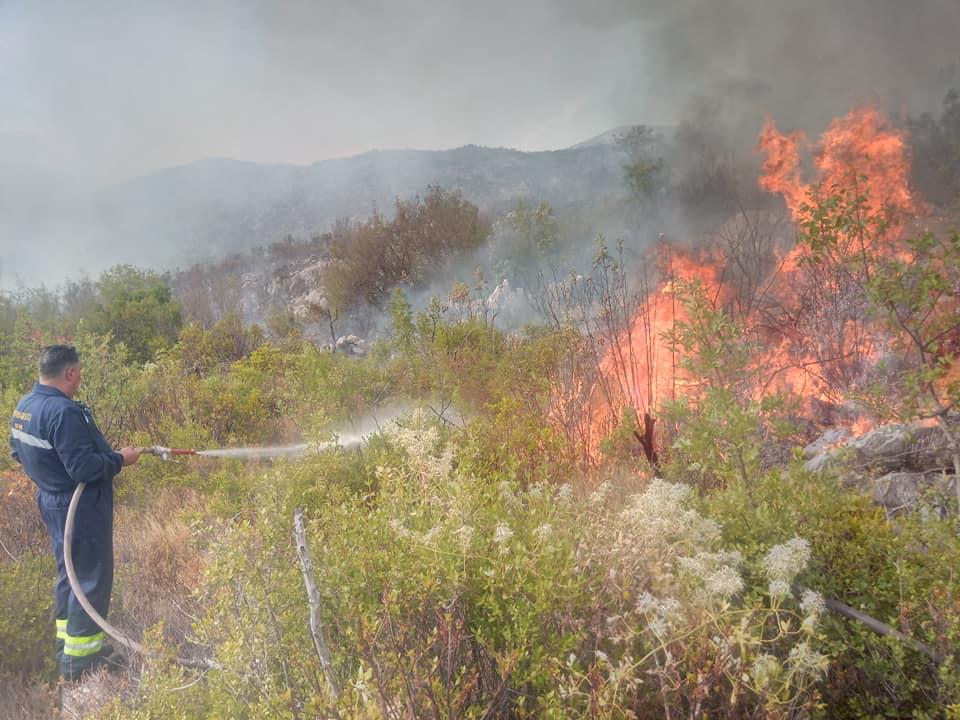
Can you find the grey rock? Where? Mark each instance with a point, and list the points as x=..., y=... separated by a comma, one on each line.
x=931, y=449
x=887, y=447
x=898, y=490
x=827, y=440
x=351, y=345
x=824, y=462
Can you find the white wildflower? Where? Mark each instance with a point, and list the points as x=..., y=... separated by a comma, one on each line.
x=716, y=574
x=765, y=668
x=692, y=565
x=544, y=532
x=658, y=519
x=430, y=535
x=669, y=608
x=785, y=561
x=465, y=534
x=508, y=495
x=598, y=498
x=502, y=534
x=723, y=583
x=420, y=441
x=806, y=660
x=812, y=603
x=646, y=603
x=565, y=493
x=778, y=589
x=661, y=615
x=659, y=627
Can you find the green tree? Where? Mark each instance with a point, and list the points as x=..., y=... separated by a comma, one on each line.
x=137, y=308
x=909, y=288
x=721, y=426
x=370, y=258
x=935, y=146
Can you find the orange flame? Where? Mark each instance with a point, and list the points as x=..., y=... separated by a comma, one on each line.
x=781, y=168
x=862, y=144
x=639, y=371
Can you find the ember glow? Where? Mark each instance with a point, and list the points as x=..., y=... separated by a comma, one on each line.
x=861, y=152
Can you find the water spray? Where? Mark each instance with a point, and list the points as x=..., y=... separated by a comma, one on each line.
x=346, y=440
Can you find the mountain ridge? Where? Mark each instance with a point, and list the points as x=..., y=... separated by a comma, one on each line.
x=215, y=206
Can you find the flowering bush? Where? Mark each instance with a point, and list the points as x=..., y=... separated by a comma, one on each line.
x=446, y=595
x=684, y=632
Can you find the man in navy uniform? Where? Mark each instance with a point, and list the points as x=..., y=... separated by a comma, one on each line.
x=59, y=446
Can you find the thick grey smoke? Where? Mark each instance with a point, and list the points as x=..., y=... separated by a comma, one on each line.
x=95, y=93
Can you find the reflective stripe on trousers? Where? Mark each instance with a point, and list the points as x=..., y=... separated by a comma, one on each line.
x=82, y=645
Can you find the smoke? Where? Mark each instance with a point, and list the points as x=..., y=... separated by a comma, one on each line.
x=99, y=92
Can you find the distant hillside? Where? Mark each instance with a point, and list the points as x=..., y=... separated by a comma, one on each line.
x=211, y=208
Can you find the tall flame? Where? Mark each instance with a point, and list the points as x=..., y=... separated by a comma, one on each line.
x=781, y=168
x=862, y=144
x=638, y=369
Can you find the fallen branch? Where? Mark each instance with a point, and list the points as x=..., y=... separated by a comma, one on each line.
x=881, y=628
x=313, y=597
x=12, y=556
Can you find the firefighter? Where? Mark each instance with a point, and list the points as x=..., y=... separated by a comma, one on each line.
x=59, y=446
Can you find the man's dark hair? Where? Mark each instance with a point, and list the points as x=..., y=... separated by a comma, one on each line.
x=54, y=359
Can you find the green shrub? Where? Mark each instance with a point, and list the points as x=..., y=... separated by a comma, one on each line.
x=893, y=571
x=26, y=623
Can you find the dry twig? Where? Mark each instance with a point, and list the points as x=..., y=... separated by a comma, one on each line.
x=313, y=597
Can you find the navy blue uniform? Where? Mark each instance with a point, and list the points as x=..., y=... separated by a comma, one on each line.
x=59, y=446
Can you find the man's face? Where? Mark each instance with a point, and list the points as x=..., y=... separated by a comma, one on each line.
x=72, y=378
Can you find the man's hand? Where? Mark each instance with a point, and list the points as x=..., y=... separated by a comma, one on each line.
x=130, y=455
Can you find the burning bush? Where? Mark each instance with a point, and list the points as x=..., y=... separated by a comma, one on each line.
x=812, y=322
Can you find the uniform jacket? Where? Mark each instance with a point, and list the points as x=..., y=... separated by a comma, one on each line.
x=58, y=444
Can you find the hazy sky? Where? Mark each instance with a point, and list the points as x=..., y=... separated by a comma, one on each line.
x=96, y=92
x=105, y=90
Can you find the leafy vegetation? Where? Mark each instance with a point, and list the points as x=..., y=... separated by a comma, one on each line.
x=370, y=258
x=936, y=151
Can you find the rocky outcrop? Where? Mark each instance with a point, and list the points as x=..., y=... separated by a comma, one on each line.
x=911, y=447
x=351, y=345
x=902, y=466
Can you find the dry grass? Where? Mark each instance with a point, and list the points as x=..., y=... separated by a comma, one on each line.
x=86, y=698
x=159, y=566
x=21, y=529
x=27, y=700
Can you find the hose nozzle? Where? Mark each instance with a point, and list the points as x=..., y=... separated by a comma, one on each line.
x=166, y=454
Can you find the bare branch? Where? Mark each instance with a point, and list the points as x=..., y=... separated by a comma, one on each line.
x=313, y=597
